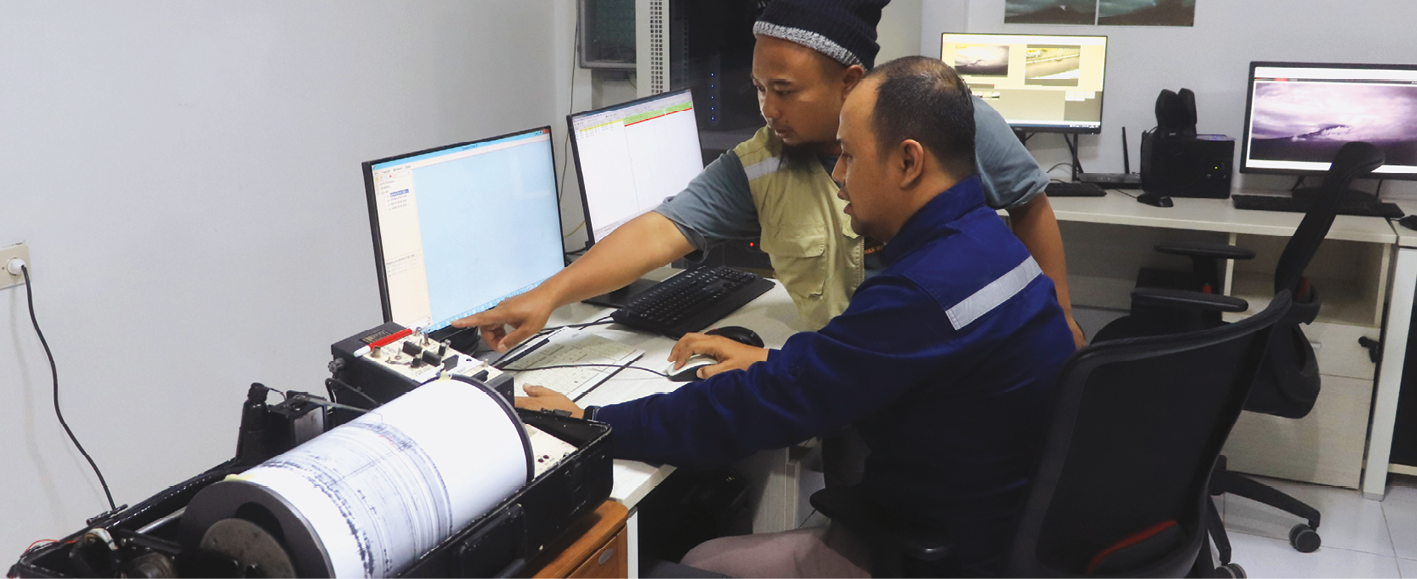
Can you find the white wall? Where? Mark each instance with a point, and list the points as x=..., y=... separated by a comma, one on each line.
x=187, y=177
x=899, y=30
x=1212, y=58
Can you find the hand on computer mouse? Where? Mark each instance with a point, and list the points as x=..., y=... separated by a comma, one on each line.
x=538, y=398
x=689, y=370
x=731, y=355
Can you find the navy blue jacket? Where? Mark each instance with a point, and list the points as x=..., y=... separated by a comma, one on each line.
x=946, y=362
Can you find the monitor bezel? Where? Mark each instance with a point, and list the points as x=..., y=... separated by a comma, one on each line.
x=576, y=152
x=377, y=235
x=1250, y=109
x=1027, y=128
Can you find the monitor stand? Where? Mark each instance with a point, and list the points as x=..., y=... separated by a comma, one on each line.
x=621, y=297
x=461, y=339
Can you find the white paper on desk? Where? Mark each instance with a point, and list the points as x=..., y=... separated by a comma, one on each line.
x=392, y=484
x=577, y=343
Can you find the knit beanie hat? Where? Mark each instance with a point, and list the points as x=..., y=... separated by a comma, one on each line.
x=844, y=30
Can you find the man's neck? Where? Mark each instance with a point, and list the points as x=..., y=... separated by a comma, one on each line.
x=934, y=185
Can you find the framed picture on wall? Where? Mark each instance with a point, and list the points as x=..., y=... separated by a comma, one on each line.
x=1101, y=12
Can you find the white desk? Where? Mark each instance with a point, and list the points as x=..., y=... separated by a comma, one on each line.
x=773, y=496
x=1368, y=282
x=1404, y=286
x=1217, y=215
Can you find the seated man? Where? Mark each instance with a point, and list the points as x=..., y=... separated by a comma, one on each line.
x=945, y=361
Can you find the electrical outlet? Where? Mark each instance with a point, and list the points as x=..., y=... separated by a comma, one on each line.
x=21, y=251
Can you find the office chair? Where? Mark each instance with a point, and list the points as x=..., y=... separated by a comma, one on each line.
x=1288, y=383
x=1121, y=485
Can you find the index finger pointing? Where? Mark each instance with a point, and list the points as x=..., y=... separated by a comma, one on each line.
x=484, y=318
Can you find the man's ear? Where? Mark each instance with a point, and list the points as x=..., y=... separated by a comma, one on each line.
x=851, y=78
x=910, y=161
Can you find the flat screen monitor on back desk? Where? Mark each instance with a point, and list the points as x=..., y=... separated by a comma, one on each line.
x=1298, y=115
x=629, y=158
x=461, y=227
x=1039, y=83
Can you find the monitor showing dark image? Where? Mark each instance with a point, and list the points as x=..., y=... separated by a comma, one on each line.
x=1300, y=114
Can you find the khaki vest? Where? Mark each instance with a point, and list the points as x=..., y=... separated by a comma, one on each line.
x=814, y=252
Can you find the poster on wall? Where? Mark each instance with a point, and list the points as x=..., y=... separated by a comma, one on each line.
x=1101, y=12
x=1146, y=12
x=1050, y=11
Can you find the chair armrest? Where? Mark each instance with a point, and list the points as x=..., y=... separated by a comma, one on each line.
x=1174, y=299
x=1211, y=250
x=869, y=521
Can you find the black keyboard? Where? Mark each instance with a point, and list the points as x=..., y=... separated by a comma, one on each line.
x=1349, y=206
x=692, y=300
x=1074, y=190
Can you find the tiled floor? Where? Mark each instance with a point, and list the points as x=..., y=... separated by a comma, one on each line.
x=1361, y=538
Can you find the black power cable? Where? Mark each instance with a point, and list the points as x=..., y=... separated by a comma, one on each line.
x=54, y=370
x=357, y=392
x=566, y=143
x=558, y=366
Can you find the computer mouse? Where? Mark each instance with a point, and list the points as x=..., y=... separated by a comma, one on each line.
x=738, y=334
x=690, y=371
x=1154, y=200
x=1409, y=222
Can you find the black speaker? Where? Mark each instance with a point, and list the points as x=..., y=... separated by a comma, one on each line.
x=1176, y=113
x=1199, y=166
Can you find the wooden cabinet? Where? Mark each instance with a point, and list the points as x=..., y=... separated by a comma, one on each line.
x=609, y=561
x=595, y=546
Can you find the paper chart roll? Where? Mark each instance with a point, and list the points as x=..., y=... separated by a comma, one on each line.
x=367, y=498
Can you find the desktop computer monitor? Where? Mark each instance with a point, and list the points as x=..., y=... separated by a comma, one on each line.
x=631, y=156
x=1298, y=115
x=1039, y=83
x=462, y=227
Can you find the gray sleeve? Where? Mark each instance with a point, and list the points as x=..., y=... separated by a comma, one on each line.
x=716, y=206
x=1010, y=174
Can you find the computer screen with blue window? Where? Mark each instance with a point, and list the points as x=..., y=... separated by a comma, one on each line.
x=462, y=227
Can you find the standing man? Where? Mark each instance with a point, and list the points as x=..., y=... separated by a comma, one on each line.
x=777, y=186
x=946, y=360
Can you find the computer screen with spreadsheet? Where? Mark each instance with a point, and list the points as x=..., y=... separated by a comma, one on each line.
x=461, y=227
x=631, y=156
x=1041, y=83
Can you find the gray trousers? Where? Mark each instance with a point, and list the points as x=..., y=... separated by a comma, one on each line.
x=832, y=551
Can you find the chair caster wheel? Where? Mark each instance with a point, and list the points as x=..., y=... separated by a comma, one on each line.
x=1232, y=570
x=1304, y=538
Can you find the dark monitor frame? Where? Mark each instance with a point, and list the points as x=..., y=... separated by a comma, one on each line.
x=1026, y=128
x=1250, y=109
x=368, y=167
x=576, y=152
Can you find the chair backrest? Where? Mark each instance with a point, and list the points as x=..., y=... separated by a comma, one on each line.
x=1352, y=160
x=1289, y=382
x=1137, y=427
